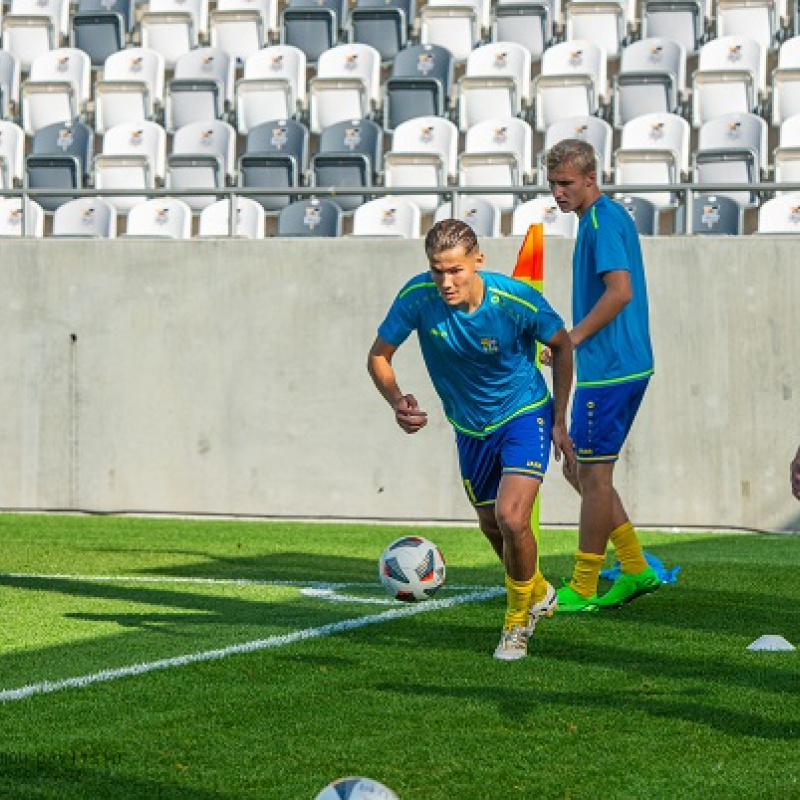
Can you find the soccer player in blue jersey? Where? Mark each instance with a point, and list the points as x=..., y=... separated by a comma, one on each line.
x=478, y=331
x=614, y=363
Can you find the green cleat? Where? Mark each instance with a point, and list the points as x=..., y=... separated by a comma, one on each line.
x=570, y=602
x=628, y=586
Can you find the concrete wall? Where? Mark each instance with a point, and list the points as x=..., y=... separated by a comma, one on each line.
x=229, y=377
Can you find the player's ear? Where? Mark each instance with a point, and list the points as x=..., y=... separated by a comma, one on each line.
x=480, y=258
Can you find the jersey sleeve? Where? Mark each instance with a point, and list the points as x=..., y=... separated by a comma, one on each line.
x=610, y=245
x=401, y=319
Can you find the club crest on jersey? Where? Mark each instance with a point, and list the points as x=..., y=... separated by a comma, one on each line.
x=488, y=344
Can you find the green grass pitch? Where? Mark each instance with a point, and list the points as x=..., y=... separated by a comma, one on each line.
x=164, y=658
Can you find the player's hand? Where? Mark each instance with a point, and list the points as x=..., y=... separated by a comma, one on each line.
x=562, y=445
x=408, y=414
x=546, y=357
x=795, y=475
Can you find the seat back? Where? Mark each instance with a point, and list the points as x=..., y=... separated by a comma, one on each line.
x=716, y=215
x=603, y=22
x=456, y=28
x=146, y=138
x=780, y=214
x=311, y=218
x=481, y=214
x=312, y=30
x=160, y=217
x=202, y=88
x=529, y=24
x=644, y=214
x=12, y=151
x=383, y=27
x=684, y=21
x=387, y=216
x=9, y=83
x=545, y=210
x=86, y=217
x=248, y=222
x=13, y=222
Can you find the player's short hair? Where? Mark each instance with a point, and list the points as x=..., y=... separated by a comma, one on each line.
x=575, y=153
x=448, y=234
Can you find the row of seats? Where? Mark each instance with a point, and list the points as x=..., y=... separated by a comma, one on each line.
x=424, y=153
x=171, y=218
x=498, y=81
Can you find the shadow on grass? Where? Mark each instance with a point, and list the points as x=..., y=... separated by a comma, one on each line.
x=77, y=776
x=515, y=704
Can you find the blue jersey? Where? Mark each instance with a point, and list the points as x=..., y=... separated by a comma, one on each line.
x=620, y=351
x=481, y=364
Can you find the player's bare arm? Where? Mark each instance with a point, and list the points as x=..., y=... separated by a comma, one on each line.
x=618, y=293
x=406, y=409
x=560, y=347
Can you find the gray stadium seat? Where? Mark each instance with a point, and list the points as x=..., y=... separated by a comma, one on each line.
x=384, y=24
x=419, y=86
x=643, y=212
x=276, y=156
x=311, y=218
x=313, y=26
x=61, y=158
x=716, y=215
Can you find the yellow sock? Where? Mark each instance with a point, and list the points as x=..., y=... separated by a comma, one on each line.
x=519, y=599
x=586, y=573
x=539, y=587
x=629, y=551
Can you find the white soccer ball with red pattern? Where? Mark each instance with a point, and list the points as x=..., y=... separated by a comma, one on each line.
x=412, y=569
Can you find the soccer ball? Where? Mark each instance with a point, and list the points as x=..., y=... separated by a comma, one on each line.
x=356, y=789
x=411, y=569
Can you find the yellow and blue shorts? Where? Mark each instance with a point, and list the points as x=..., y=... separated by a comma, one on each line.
x=520, y=446
x=602, y=417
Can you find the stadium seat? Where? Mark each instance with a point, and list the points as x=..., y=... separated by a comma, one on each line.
x=12, y=153
x=482, y=215
x=497, y=153
x=313, y=26
x=545, y=210
x=651, y=78
x=684, y=21
x=273, y=86
x=132, y=88
x=215, y=220
x=732, y=149
x=572, y=82
x=730, y=78
x=174, y=27
x=457, y=28
x=383, y=24
x=419, y=86
x=133, y=156
x=102, y=27
x=86, y=218
x=27, y=36
x=160, y=217
x=654, y=149
x=780, y=215
x=387, y=216
x=9, y=85
x=275, y=157
x=590, y=129
x=11, y=217
x=644, y=214
x=786, y=82
x=60, y=158
x=350, y=155
x=603, y=22
x=242, y=27
x=786, y=156
x=526, y=23
x=58, y=89
x=201, y=88
x=496, y=83
x=716, y=215
x=203, y=156
x=424, y=153
x=347, y=86
x=757, y=19
x=311, y=218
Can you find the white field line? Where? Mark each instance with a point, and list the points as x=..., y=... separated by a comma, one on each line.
x=81, y=681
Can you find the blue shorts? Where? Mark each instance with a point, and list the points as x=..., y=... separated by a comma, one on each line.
x=602, y=417
x=521, y=446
